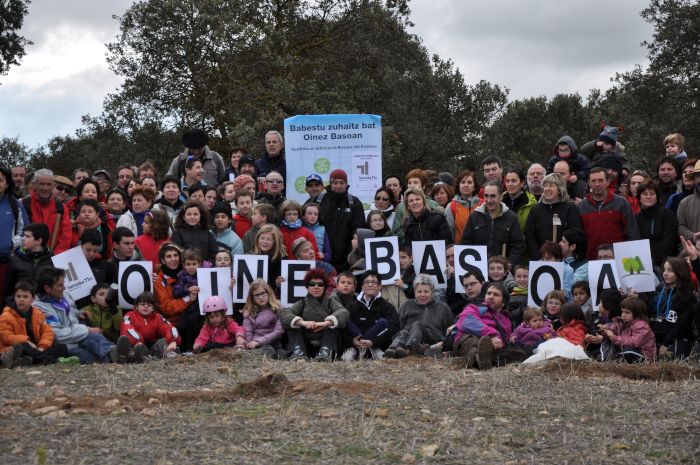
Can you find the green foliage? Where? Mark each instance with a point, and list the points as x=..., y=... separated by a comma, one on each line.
x=632, y=265
x=12, y=13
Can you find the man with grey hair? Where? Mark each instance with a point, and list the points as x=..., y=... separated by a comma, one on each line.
x=42, y=207
x=535, y=178
x=196, y=145
x=273, y=158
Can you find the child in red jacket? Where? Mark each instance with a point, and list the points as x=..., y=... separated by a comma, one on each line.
x=573, y=327
x=219, y=331
x=147, y=331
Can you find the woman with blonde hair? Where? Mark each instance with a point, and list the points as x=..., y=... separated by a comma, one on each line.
x=269, y=241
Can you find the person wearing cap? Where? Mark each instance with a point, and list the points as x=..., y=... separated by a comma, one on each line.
x=273, y=158
x=605, y=216
x=314, y=187
x=103, y=178
x=62, y=188
x=195, y=142
x=689, y=211
x=341, y=213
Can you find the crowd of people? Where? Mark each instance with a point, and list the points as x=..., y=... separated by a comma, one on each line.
x=206, y=210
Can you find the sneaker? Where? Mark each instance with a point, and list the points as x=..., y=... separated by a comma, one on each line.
x=172, y=354
x=324, y=354
x=377, y=353
x=349, y=354
x=158, y=348
x=123, y=349
x=390, y=353
x=484, y=351
x=24, y=361
x=8, y=358
x=297, y=354
x=400, y=352
x=72, y=360
x=140, y=353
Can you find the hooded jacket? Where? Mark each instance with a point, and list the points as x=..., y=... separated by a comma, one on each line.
x=524, y=203
x=483, y=321
x=62, y=316
x=312, y=309
x=341, y=214
x=578, y=161
x=637, y=335
x=147, y=329
x=39, y=212
x=495, y=233
x=11, y=229
x=13, y=328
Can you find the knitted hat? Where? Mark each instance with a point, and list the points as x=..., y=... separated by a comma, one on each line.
x=245, y=161
x=298, y=244
x=609, y=135
x=221, y=207
x=241, y=180
x=339, y=174
x=195, y=139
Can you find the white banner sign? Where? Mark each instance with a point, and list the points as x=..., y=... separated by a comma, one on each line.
x=544, y=278
x=634, y=266
x=247, y=268
x=468, y=257
x=292, y=288
x=319, y=144
x=214, y=281
x=134, y=278
x=382, y=255
x=429, y=258
x=79, y=279
x=602, y=274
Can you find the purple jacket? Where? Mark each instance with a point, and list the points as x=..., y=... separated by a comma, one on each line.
x=637, y=334
x=265, y=328
x=481, y=321
x=184, y=281
x=531, y=337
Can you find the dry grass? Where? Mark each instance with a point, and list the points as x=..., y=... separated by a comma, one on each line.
x=227, y=407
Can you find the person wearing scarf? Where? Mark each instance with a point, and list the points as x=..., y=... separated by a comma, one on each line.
x=292, y=229
x=172, y=308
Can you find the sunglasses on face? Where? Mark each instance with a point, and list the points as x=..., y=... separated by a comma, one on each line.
x=274, y=181
x=381, y=199
x=63, y=188
x=316, y=284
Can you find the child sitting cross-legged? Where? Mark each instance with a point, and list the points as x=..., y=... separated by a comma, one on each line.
x=25, y=337
x=147, y=332
x=219, y=331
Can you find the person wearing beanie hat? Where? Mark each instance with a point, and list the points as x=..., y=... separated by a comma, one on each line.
x=196, y=145
x=341, y=213
x=605, y=144
x=609, y=136
x=221, y=227
x=272, y=159
x=246, y=165
x=244, y=181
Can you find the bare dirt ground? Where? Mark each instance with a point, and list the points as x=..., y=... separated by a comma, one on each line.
x=225, y=407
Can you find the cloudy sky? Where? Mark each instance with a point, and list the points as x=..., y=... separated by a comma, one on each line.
x=532, y=47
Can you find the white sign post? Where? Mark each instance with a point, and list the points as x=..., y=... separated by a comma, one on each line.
x=79, y=279
x=134, y=278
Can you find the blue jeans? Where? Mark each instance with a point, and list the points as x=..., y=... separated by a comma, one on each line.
x=94, y=348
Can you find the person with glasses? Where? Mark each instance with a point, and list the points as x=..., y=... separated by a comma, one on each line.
x=384, y=202
x=495, y=226
x=273, y=191
x=315, y=324
x=273, y=159
x=373, y=321
x=62, y=188
x=263, y=328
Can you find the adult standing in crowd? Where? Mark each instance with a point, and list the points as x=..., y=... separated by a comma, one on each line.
x=421, y=223
x=19, y=178
x=606, y=217
x=516, y=198
x=42, y=207
x=552, y=215
x=341, y=213
x=687, y=185
x=495, y=226
x=577, y=190
x=125, y=174
x=689, y=211
x=463, y=204
x=656, y=223
x=535, y=176
x=13, y=218
x=195, y=142
x=273, y=158
x=667, y=175
x=274, y=191
x=62, y=188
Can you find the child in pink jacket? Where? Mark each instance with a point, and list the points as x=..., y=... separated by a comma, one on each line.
x=630, y=333
x=219, y=331
x=534, y=329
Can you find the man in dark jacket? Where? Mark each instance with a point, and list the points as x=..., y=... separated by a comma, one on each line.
x=273, y=159
x=495, y=226
x=341, y=213
x=373, y=320
x=195, y=142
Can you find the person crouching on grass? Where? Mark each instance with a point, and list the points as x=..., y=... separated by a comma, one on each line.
x=147, y=332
